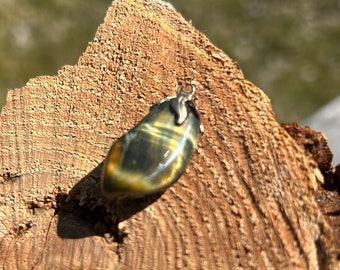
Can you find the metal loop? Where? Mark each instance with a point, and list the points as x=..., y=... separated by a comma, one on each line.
x=178, y=104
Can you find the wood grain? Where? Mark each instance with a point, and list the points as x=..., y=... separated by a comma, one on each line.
x=245, y=201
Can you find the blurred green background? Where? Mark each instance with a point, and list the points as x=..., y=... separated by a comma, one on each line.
x=290, y=49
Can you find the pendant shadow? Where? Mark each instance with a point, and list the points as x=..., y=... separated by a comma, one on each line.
x=84, y=211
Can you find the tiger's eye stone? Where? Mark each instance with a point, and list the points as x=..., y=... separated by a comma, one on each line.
x=154, y=154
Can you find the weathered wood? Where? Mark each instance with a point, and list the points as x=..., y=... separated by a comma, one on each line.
x=327, y=195
x=245, y=201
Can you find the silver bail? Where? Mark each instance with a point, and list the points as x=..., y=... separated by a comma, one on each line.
x=186, y=93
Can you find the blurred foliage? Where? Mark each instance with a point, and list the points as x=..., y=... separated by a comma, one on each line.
x=38, y=37
x=290, y=49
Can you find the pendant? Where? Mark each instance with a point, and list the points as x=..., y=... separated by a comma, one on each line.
x=154, y=154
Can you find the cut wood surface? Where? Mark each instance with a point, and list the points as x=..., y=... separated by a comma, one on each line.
x=245, y=201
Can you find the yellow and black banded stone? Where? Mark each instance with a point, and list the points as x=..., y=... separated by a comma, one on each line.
x=153, y=154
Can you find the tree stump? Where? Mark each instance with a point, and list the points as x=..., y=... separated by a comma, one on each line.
x=245, y=201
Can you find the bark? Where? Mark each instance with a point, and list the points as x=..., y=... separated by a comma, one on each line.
x=245, y=201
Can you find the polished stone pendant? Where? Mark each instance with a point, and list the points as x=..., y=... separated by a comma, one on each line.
x=154, y=154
